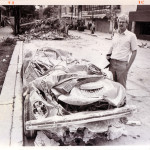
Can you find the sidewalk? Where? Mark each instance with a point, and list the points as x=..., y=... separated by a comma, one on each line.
x=11, y=133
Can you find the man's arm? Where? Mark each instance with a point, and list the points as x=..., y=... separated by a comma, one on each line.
x=108, y=55
x=134, y=50
x=131, y=59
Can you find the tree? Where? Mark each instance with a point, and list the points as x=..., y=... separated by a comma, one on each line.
x=27, y=9
x=36, y=14
x=111, y=15
x=51, y=11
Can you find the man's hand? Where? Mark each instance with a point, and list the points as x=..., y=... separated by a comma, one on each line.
x=108, y=56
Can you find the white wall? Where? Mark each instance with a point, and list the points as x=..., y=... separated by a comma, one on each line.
x=125, y=9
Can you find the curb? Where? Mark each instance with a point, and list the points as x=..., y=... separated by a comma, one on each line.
x=11, y=102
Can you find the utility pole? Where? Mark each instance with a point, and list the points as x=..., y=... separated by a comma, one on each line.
x=112, y=17
x=17, y=19
x=0, y=17
x=81, y=12
x=72, y=14
x=78, y=11
x=59, y=8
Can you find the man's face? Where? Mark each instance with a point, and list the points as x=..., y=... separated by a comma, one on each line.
x=122, y=24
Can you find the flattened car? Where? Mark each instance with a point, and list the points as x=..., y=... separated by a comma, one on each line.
x=69, y=99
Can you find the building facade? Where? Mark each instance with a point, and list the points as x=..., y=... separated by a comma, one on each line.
x=103, y=15
x=140, y=22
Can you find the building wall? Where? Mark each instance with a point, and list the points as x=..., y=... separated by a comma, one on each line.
x=125, y=9
x=102, y=25
x=140, y=33
x=141, y=19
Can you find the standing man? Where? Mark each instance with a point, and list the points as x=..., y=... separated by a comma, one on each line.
x=123, y=51
x=92, y=27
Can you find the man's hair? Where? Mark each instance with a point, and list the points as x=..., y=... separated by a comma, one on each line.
x=124, y=17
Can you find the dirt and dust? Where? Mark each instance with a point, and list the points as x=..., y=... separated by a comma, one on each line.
x=6, y=50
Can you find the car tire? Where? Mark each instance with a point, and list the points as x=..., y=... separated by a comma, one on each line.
x=28, y=115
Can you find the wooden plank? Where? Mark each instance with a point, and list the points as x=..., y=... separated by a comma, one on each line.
x=25, y=24
x=81, y=117
x=49, y=126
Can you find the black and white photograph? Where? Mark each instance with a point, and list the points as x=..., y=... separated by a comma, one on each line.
x=74, y=75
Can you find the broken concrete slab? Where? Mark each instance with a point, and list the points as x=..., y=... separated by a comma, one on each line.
x=43, y=140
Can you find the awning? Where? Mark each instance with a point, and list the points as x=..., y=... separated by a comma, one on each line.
x=100, y=16
x=2, y=7
x=69, y=16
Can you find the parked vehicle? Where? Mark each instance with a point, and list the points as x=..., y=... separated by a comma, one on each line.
x=81, y=25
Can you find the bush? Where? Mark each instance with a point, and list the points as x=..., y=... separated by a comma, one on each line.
x=8, y=42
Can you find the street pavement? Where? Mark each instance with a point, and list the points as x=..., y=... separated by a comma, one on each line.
x=93, y=47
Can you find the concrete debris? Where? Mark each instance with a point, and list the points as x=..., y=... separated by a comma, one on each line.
x=50, y=28
x=4, y=60
x=80, y=134
x=124, y=120
x=135, y=136
x=43, y=140
x=115, y=132
x=88, y=135
x=144, y=45
x=134, y=123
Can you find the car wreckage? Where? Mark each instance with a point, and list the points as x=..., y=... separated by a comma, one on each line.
x=69, y=100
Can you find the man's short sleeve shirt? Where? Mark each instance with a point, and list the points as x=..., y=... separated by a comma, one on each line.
x=123, y=44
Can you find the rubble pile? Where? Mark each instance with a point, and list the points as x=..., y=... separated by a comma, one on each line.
x=50, y=28
x=83, y=135
x=71, y=101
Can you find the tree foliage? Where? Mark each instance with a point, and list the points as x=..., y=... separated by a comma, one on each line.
x=51, y=11
x=27, y=9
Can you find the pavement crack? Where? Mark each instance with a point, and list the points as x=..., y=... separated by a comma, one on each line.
x=138, y=96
